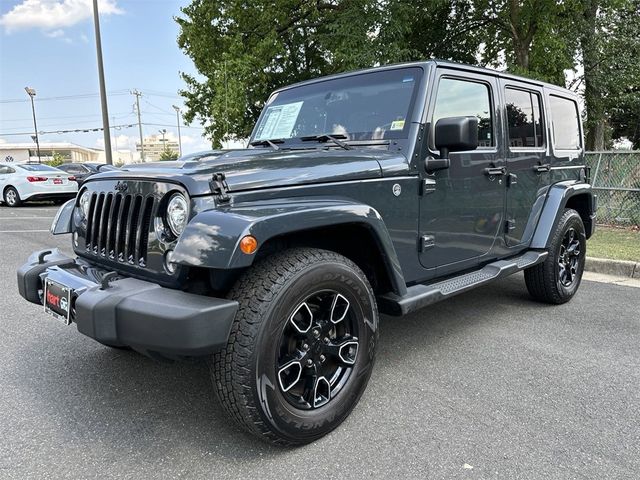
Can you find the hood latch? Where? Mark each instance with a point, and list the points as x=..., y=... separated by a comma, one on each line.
x=219, y=187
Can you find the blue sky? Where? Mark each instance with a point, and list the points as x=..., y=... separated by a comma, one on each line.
x=49, y=45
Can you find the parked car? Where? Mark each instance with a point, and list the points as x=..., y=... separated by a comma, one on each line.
x=383, y=190
x=81, y=171
x=21, y=182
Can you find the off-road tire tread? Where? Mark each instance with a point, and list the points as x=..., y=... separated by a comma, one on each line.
x=540, y=279
x=254, y=290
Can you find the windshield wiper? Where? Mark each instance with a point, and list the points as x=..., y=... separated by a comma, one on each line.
x=268, y=143
x=324, y=137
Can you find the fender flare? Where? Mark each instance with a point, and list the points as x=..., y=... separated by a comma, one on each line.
x=212, y=237
x=557, y=198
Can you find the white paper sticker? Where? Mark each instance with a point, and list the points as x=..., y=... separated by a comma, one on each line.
x=279, y=121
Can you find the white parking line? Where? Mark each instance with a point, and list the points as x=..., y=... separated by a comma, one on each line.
x=26, y=218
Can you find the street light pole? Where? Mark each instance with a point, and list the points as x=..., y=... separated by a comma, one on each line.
x=163, y=132
x=32, y=93
x=103, y=89
x=177, y=109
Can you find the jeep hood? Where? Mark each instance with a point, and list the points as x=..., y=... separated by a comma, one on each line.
x=258, y=168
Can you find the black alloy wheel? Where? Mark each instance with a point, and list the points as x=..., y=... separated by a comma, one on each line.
x=301, y=347
x=556, y=280
x=318, y=349
x=569, y=258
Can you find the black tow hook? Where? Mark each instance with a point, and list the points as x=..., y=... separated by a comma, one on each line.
x=106, y=279
x=43, y=254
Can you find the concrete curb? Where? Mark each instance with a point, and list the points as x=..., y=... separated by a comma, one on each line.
x=620, y=268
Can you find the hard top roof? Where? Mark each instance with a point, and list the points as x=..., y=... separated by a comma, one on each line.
x=440, y=63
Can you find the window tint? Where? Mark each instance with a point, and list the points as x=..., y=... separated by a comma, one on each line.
x=461, y=98
x=72, y=168
x=523, y=118
x=565, y=122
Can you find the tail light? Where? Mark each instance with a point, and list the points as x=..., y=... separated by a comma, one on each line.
x=37, y=179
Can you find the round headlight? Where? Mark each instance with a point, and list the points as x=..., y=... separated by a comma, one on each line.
x=177, y=213
x=85, y=199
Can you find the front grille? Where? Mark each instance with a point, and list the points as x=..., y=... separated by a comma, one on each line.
x=118, y=226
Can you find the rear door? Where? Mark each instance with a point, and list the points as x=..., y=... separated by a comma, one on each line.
x=461, y=217
x=528, y=164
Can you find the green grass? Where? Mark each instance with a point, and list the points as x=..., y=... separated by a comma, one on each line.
x=614, y=243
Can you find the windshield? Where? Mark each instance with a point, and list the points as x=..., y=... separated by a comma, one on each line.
x=35, y=167
x=371, y=106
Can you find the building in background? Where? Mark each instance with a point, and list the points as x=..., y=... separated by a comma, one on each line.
x=155, y=145
x=26, y=152
x=70, y=152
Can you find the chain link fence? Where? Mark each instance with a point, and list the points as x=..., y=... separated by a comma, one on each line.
x=615, y=177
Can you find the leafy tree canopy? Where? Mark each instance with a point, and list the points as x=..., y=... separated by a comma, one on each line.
x=244, y=50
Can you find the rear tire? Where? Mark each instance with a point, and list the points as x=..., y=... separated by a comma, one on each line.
x=557, y=279
x=12, y=197
x=301, y=348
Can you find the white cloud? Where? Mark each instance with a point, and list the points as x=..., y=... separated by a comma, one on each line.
x=53, y=14
x=55, y=33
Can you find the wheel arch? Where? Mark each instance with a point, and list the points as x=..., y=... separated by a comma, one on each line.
x=355, y=230
x=568, y=194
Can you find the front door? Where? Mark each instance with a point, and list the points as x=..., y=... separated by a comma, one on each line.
x=462, y=212
x=528, y=168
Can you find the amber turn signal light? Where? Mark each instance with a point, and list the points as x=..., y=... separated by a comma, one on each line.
x=248, y=244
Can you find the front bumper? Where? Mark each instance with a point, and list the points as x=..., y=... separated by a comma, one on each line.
x=157, y=321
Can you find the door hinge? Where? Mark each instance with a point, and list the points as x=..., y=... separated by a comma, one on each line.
x=510, y=225
x=427, y=186
x=426, y=242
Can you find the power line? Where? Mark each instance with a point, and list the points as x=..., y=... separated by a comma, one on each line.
x=66, y=97
x=77, y=130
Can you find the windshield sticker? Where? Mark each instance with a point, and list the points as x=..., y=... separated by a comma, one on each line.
x=279, y=121
x=397, y=125
x=407, y=79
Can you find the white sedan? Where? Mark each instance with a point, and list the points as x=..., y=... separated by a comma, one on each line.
x=20, y=182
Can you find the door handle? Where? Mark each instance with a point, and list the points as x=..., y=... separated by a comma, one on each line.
x=542, y=168
x=493, y=171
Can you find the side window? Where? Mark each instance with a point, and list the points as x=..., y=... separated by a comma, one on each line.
x=565, y=123
x=464, y=98
x=523, y=118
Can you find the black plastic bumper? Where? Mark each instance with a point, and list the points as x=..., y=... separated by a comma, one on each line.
x=152, y=319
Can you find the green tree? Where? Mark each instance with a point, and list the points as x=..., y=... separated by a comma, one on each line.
x=168, y=155
x=56, y=160
x=610, y=54
x=244, y=50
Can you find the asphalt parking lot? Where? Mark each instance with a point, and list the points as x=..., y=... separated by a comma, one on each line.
x=487, y=385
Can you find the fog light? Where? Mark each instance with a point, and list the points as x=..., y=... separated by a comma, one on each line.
x=248, y=244
x=169, y=264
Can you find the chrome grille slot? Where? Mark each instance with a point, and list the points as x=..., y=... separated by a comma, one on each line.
x=118, y=226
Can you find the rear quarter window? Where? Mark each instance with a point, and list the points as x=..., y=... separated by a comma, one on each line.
x=565, y=123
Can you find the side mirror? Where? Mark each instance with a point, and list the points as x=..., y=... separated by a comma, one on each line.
x=453, y=134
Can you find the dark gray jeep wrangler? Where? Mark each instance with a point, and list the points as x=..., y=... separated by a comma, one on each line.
x=380, y=190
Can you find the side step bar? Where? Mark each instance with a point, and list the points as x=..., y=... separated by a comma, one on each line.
x=419, y=296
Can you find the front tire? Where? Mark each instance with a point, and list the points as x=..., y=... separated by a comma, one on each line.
x=301, y=348
x=12, y=197
x=557, y=279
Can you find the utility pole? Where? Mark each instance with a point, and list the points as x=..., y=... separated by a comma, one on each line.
x=103, y=89
x=32, y=93
x=163, y=132
x=138, y=94
x=177, y=109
